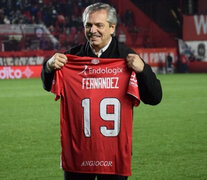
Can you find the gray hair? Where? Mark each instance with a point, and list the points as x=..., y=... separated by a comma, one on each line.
x=111, y=12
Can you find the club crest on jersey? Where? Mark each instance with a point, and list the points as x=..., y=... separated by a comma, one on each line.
x=95, y=61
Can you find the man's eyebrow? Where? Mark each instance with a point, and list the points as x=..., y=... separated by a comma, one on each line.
x=98, y=23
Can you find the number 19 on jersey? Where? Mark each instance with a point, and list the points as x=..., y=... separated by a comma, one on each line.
x=115, y=116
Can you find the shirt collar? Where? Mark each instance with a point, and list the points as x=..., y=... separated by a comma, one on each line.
x=101, y=50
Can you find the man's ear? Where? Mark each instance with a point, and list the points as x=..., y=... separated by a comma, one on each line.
x=113, y=28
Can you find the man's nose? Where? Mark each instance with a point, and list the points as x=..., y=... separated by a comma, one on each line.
x=93, y=29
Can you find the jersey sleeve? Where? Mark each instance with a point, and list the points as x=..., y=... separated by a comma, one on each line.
x=133, y=89
x=57, y=84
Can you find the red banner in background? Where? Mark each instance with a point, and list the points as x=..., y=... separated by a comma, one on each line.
x=22, y=64
x=19, y=72
x=17, y=65
x=24, y=58
x=156, y=56
x=195, y=27
x=26, y=53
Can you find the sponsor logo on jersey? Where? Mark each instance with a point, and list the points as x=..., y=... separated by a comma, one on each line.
x=84, y=70
x=106, y=70
x=96, y=163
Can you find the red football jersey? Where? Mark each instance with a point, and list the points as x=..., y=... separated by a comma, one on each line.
x=97, y=99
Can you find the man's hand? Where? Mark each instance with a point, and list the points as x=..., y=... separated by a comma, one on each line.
x=135, y=62
x=57, y=61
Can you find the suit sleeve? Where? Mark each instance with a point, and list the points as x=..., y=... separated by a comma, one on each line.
x=47, y=77
x=150, y=89
x=149, y=86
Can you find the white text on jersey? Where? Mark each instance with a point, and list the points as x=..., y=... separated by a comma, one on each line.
x=106, y=70
x=96, y=163
x=100, y=83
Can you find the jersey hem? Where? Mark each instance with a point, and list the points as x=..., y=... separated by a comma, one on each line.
x=97, y=172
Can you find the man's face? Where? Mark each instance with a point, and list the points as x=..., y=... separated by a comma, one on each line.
x=97, y=30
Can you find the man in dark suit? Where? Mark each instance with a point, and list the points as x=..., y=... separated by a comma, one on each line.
x=100, y=22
